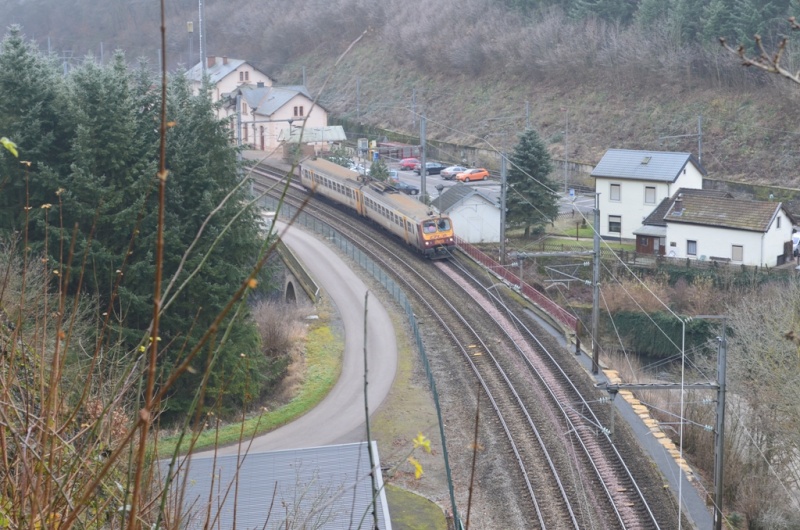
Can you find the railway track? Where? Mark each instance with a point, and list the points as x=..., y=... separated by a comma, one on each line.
x=551, y=448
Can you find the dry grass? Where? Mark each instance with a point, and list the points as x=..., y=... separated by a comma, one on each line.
x=280, y=325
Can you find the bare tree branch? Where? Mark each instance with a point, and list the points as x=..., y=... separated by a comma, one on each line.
x=764, y=61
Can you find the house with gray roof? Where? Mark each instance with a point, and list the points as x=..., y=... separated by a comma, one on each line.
x=325, y=488
x=632, y=183
x=475, y=213
x=225, y=74
x=260, y=113
x=711, y=225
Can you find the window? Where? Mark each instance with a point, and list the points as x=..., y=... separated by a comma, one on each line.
x=691, y=248
x=245, y=132
x=244, y=107
x=616, y=192
x=244, y=76
x=298, y=111
x=650, y=195
x=779, y=222
x=615, y=224
x=737, y=253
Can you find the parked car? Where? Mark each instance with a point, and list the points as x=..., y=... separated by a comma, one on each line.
x=431, y=168
x=404, y=187
x=477, y=173
x=408, y=164
x=394, y=175
x=358, y=168
x=449, y=173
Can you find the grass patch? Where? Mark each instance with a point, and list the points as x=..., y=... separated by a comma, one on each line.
x=323, y=366
x=412, y=512
x=569, y=230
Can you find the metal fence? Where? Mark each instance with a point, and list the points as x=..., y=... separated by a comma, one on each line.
x=376, y=271
x=566, y=318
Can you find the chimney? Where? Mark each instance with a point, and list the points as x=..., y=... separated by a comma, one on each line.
x=211, y=61
x=224, y=59
x=679, y=203
x=260, y=84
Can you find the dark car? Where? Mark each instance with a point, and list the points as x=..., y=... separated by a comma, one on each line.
x=408, y=163
x=449, y=173
x=406, y=188
x=431, y=168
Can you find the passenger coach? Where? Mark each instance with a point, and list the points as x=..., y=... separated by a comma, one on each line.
x=407, y=218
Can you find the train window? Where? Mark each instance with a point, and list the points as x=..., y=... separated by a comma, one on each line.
x=444, y=223
x=429, y=227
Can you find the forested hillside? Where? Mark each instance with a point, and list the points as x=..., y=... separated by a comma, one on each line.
x=587, y=74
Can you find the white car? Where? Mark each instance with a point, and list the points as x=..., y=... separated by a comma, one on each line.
x=449, y=173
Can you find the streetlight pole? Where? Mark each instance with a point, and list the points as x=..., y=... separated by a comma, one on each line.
x=202, y=39
x=439, y=188
x=566, y=145
x=190, y=31
x=596, y=288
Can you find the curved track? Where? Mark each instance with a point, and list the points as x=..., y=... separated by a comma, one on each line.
x=568, y=473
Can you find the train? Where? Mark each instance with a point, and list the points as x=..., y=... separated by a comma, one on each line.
x=412, y=221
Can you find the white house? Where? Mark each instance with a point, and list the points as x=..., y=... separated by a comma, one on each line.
x=632, y=183
x=225, y=75
x=270, y=112
x=475, y=213
x=706, y=225
x=264, y=112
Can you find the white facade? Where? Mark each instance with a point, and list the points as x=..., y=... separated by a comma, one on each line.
x=263, y=131
x=630, y=201
x=738, y=246
x=632, y=183
x=263, y=110
x=225, y=76
x=475, y=219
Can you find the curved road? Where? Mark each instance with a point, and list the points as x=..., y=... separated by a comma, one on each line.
x=339, y=418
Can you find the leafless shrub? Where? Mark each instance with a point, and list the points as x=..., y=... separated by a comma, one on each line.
x=280, y=325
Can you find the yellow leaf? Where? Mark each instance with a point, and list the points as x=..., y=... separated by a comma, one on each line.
x=9, y=145
x=417, y=466
x=421, y=441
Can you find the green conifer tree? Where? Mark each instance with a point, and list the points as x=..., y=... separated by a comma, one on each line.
x=531, y=200
x=31, y=113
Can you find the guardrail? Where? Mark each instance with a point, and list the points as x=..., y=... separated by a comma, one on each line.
x=550, y=307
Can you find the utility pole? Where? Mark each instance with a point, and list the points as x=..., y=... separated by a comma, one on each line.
x=503, y=173
x=414, y=108
x=239, y=118
x=566, y=147
x=190, y=31
x=719, y=442
x=527, y=114
x=202, y=39
x=699, y=137
x=596, y=288
x=422, y=172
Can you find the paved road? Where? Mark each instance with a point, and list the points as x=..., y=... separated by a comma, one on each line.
x=339, y=418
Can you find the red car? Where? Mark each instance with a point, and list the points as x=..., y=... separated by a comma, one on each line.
x=408, y=164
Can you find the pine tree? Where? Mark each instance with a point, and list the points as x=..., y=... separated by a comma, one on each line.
x=31, y=114
x=531, y=199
